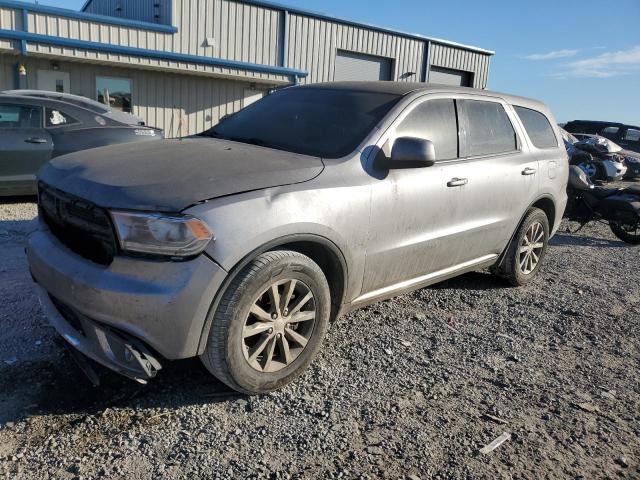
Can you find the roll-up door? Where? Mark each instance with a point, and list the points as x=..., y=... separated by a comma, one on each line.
x=449, y=76
x=357, y=66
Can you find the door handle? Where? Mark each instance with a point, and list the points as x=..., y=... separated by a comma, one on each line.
x=457, y=182
x=529, y=171
x=36, y=140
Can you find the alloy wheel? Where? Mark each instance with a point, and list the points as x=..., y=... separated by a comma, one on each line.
x=590, y=169
x=279, y=325
x=531, y=248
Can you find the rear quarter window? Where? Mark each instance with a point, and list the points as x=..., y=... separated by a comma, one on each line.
x=538, y=127
x=489, y=130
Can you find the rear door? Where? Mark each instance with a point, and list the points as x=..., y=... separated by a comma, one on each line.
x=499, y=180
x=24, y=147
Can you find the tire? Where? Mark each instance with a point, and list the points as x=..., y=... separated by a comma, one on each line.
x=240, y=323
x=627, y=236
x=511, y=267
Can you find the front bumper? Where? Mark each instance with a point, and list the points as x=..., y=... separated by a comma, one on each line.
x=161, y=305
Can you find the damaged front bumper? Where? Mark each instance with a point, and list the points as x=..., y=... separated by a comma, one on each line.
x=113, y=349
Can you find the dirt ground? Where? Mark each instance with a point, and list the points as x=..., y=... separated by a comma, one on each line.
x=409, y=388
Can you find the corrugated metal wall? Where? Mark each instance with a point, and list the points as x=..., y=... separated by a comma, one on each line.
x=179, y=104
x=313, y=44
x=459, y=59
x=154, y=11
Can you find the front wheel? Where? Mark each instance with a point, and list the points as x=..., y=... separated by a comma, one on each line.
x=527, y=249
x=269, y=324
x=627, y=233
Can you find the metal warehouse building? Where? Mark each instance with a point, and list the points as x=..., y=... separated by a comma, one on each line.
x=183, y=64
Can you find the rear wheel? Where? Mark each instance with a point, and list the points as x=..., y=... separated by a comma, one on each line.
x=525, y=254
x=627, y=233
x=269, y=324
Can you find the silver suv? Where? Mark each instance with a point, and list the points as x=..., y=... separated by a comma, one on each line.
x=242, y=244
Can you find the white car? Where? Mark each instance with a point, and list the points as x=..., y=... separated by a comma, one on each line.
x=84, y=102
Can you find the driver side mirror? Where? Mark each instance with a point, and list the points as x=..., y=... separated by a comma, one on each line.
x=411, y=152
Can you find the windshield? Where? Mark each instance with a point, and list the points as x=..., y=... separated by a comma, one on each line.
x=326, y=123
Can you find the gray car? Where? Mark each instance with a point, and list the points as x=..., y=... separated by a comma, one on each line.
x=34, y=130
x=241, y=245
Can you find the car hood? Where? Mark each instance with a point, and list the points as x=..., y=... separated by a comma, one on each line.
x=171, y=175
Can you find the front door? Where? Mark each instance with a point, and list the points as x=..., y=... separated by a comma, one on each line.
x=415, y=227
x=24, y=147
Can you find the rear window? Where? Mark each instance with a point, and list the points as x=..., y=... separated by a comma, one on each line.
x=489, y=130
x=434, y=120
x=538, y=127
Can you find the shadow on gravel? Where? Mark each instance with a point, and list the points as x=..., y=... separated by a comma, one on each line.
x=50, y=388
x=573, y=240
x=472, y=281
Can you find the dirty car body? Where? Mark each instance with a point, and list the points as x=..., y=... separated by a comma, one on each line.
x=34, y=130
x=374, y=227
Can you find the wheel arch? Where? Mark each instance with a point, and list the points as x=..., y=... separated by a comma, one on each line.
x=547, y=205
x=321, y=250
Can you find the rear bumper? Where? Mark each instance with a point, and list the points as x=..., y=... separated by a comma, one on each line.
x=162, y=305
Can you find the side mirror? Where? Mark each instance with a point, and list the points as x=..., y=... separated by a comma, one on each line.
x=410, y=152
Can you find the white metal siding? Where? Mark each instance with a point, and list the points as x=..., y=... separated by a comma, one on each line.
x=163, y=99
x=313, y=44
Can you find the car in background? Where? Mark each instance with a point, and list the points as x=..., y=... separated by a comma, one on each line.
x=34, y=130
x=627, y=136
x=83, y=102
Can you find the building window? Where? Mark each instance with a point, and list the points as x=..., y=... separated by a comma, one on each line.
x=115, y=92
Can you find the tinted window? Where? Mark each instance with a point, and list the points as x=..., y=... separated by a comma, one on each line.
x=489, y=130
x=610, y=131
x=538, y=127
x=312, y=121
x=434, y=120
x=632, y=135
x=19, y=116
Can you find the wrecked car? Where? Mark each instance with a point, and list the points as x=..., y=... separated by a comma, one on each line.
x=241, y=245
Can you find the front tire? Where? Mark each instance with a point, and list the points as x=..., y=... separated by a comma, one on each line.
x=523, y=258
x=269, y=324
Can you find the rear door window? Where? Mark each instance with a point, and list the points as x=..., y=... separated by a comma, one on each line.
x=632, y=135
x=434, y=120
x=538, y=127
x=20, y=116
x=489, y=130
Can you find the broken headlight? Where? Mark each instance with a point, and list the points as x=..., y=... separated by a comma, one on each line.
x=157, y=234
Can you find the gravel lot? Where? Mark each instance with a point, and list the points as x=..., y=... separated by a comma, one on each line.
x=412, y=387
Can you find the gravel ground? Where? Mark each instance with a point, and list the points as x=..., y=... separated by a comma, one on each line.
x=411, y=387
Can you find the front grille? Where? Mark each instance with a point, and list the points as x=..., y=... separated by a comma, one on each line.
x=80, y=225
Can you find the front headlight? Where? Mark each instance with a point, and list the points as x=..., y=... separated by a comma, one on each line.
x=175, y=236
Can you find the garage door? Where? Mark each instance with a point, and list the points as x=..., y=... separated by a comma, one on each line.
x=356, y=66
x=448, y=76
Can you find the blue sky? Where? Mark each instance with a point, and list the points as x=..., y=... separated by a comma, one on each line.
x=582, y=57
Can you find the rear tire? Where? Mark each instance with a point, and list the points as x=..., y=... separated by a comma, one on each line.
x=269, y=324
x=525, y=254
x=627, y=234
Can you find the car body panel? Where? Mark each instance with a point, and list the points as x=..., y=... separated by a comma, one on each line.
x=395, y=230
x=185, y=172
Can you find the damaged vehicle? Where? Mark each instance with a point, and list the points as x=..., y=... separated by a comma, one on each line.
x=33, y=130
x=241, y=245
x=626, y=162
x=598, y=157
